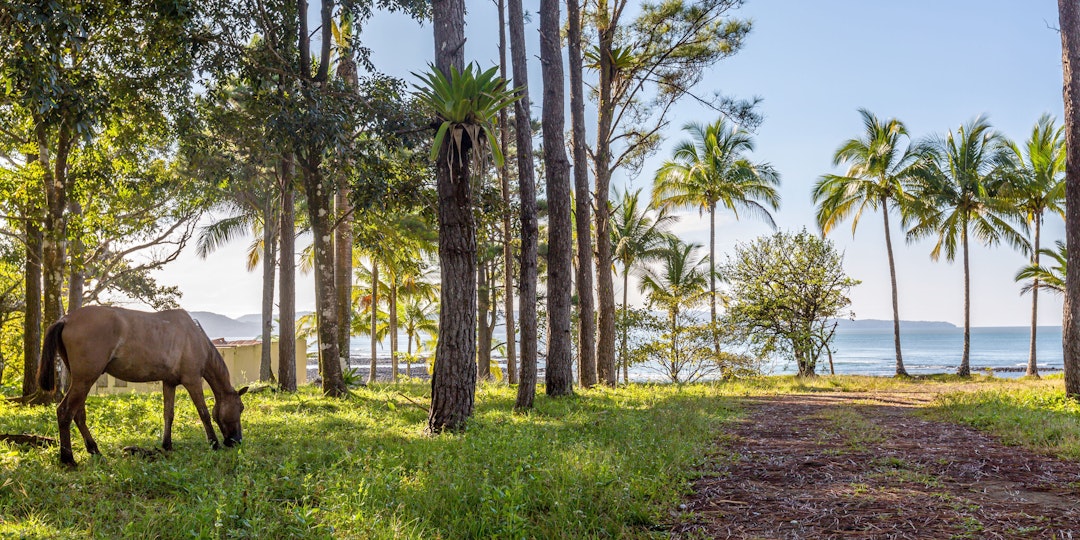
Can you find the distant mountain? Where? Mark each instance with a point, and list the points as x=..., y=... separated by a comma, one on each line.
x=883, y=325
x=217, y=326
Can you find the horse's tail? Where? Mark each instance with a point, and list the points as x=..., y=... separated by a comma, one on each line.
x=54, y=343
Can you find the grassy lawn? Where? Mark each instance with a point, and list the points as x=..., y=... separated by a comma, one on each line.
x=603, y=463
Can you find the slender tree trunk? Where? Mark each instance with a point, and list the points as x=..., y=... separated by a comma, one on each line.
x=374, y=367
x=318, y=202
x=483, y=331
x=582, y=202
x=508, y=238
x=965, y=364
x=54, y=247
x=529, y=227
x=605, y=350
x=453, y=382
x=1069, y=22
x=33, y=313
x=1032, y=365
x=394, y=371
x=287, y=295
x=343, y=273
x=900, y=371
x=266, y=374
x=624, y=352
x=77, y=276
x=712, y=277
x=559, y=375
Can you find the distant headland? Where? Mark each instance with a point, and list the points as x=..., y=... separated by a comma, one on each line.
x=873, y=325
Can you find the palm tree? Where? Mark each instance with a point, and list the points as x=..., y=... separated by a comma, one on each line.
x=710, y=169
x=1037, y=185
x=678, y=284
x=879, y=167
x=958, y=195
x=1040, y=276
x=419, y=318
x=637, y=237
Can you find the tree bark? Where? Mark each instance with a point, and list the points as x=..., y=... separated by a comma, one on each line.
x=343, y=270
x=287, y=266
x=624, y=352
x=559, y=375
x=900, y=371
x=318, y=202
x=965, y=363
x=712, y=278
x=483, y=330
x=1069, y=22
x=270, y=221
x=392, y=315
x=32, y=319
x=605, y=350
x=508, y=239
x=54, y=254
x=1032, y=365
x=374, y=367
x=529, y=226
x=582, y=203
x=453, y=382
x=77, y=275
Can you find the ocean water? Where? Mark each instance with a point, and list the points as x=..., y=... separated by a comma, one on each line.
x=871, y=352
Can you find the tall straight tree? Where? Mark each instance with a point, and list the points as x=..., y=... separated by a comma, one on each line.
x=959, y=195
x=287, y=270
x=453, y=382
x=508, y=239
x=1069, y=24
x=559, y=374
x=1037, y=185
x=529, y=227
x=582, y=203
x=711, y=169
x=878, y=170
x=645, y=66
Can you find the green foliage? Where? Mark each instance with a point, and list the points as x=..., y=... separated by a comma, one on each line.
x=784, y=289
x=603, y=463
x=467, y=102
x=1051, y=278
x=1041, y=418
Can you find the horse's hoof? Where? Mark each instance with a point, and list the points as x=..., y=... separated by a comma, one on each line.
x=214, y=445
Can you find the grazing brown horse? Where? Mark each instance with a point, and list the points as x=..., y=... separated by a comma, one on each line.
x=135, y=346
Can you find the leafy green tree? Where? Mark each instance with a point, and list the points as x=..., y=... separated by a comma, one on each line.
x=678, y=285
x=638, y=236
x=1036, y=185
x=785, y=288
x=646, y=65
x=958, y=195
x=880, y=167
x=711, y=168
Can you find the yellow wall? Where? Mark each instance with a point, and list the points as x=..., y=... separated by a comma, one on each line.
x=242, y=361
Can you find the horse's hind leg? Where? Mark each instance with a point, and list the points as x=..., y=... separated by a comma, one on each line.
x=73, y=402
x=168, y=393
x=88, y=439
x=196, y=392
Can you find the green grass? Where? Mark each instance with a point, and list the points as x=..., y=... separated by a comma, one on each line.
x=1033, y=415
x=601, y=464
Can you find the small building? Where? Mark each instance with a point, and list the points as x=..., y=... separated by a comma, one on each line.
x=242, y=357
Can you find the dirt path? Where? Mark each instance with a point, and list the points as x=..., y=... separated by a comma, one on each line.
x=865, y=466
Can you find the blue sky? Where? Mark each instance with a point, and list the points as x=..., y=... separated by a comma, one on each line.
x=931, y=64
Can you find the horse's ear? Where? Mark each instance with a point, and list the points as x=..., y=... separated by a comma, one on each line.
x=242, y=391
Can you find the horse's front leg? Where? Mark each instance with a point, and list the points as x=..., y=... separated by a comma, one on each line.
x=168, y=394
x=196, y=393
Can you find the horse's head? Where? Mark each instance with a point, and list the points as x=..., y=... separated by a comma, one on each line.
x=227, y=409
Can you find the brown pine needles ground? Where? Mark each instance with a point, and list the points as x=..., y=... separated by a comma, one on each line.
x=860, y=465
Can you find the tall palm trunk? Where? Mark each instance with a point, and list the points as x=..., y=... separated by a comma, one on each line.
x=393, y=326
x=287, y=295
x=343, y=270
x=483, y=330
x=624, y=353
x=900, y=371
x=529, y=228
x=1032, y=365
x=559, y=375
x=965, y=364
x=582, y=202
x=374, y=366
x=1069, y=22
x=508, y=252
